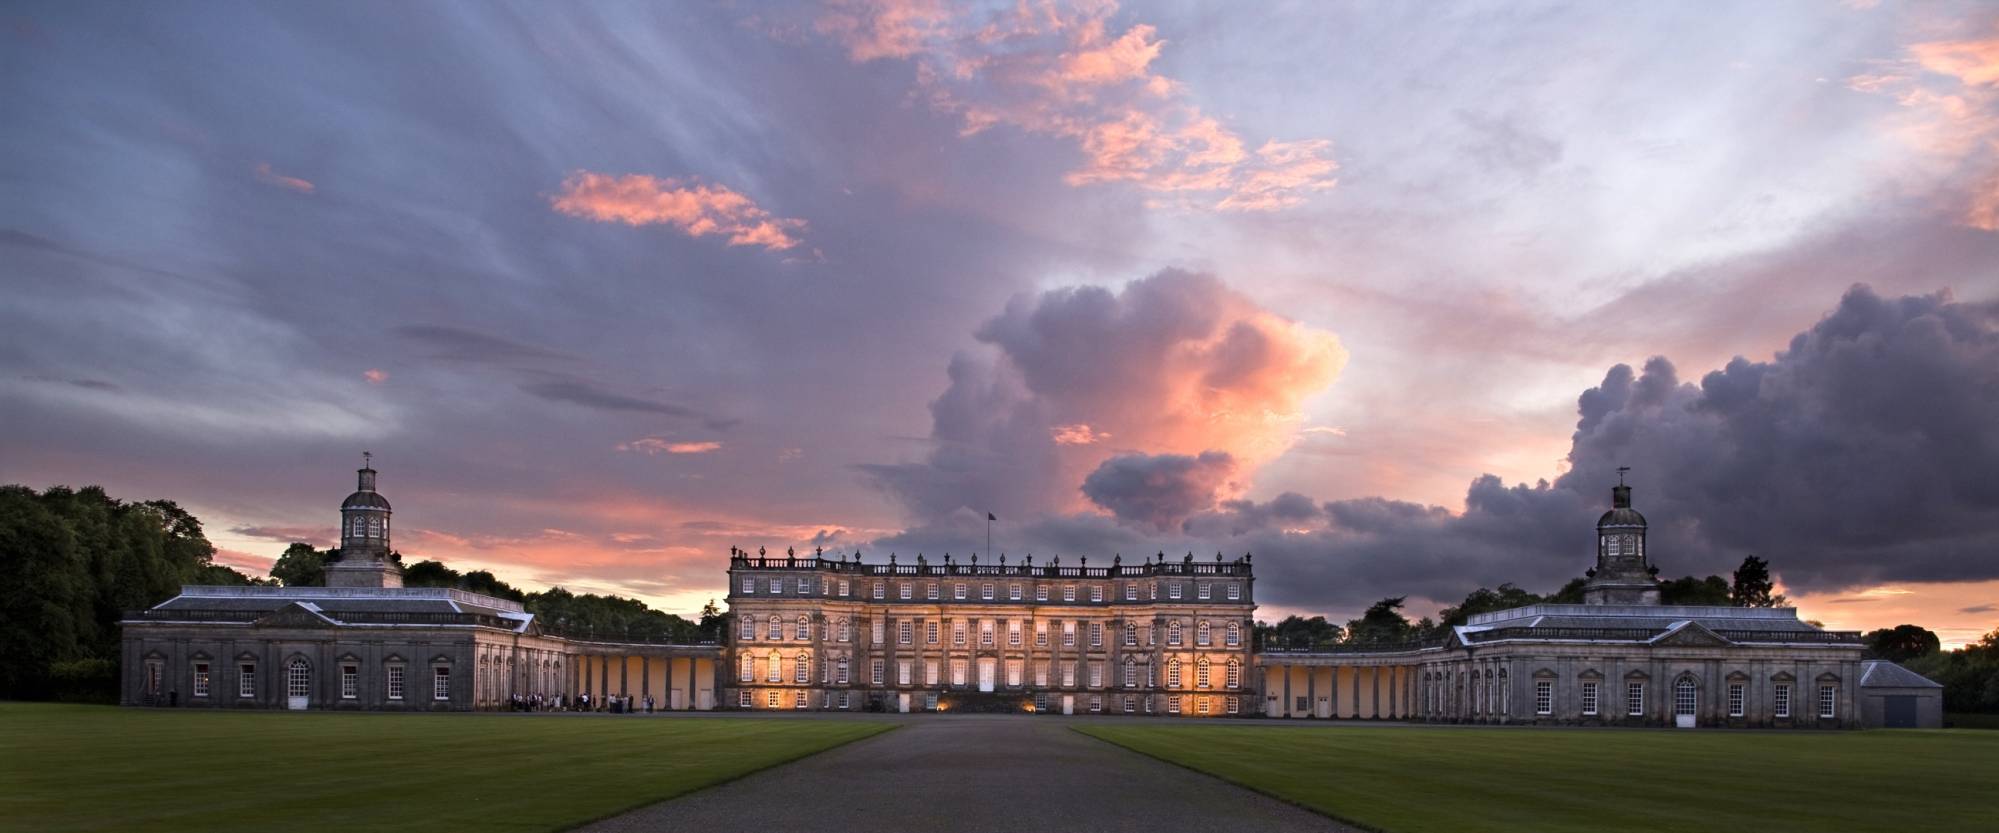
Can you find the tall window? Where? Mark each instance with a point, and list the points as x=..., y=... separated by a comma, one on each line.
x=1235, y=634
x=1783, y=704
x=906, y=632
x=1096, y=675
x=1131, y=634
x=776, y=629
x=747, y=629
x=1013, y=673
x=1069, y=634
x=1235, y=674
x=1096, y=634
x=902, y=673
x=1736, y=700
x=843, y=588
x=440, y=683
x=1173, y=704
x=1173, y=673
x=1013, y=632
x=958, y=668
x=930, y=633
x=1201, y=673
x=298, y=679
x=770, y=698
x=395, y=682
x=1173, y=633
x=879, y=631
x=201, y=679
x=749, y=670
x=1544, y=696
x=350, y=682
x=801, y=669
x=958, y=634
x=1685, y=699
x=1201, y=633
x=804, y=627
x=846, y=631
x=774, y=670
x=798, y=700
x=1041, y=634
x=875, y=669
x=1589, y=698
x=840, y=669
x=1828, y=701
x=1130, y=675
x=986, y=633
x=1634, y=699
x=932, y=672
x=743, y=698
x=1068, y=676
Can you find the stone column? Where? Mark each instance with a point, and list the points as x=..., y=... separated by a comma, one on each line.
x=1286, y=705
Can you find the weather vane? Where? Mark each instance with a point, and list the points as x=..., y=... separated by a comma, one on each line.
x=1620, y=474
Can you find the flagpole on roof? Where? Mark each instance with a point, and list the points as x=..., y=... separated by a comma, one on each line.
x=989, y=534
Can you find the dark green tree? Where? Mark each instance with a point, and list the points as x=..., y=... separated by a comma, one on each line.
x=429, y=573
x=1569, y=594
x=1901, y=643
x=1382, y=622
x=1299, y=632
x=1753, y=586
x=1688, y=590
x=1483, y=600
x=300, y=566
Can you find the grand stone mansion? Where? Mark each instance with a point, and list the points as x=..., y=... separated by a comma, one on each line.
x=1159, y=637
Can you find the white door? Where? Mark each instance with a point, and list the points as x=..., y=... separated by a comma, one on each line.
x=904, y=699
x=1068, y=704
x=986, y=674
x=298, y=684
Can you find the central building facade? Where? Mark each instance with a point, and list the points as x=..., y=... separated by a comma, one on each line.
x=1159, y=637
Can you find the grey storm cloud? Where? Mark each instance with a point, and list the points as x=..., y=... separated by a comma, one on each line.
x=1854, y=456
x=1159, y=490
x=460, y=344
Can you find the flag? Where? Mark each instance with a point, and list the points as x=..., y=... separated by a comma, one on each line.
x=989, y=516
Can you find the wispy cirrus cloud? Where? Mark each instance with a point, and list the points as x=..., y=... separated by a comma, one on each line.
x=1074, y=74
x=290, y=183
x=660, y=445
x=694, y=207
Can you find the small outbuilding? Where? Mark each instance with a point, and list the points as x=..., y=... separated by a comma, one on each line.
x=1893, y=697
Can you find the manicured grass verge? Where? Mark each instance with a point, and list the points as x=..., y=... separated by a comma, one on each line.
x=1416, y=780
x=66, y=768
x=1969, y=720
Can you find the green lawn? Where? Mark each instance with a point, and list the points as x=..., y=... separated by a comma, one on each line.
x=1412, y=780
x=105, y=768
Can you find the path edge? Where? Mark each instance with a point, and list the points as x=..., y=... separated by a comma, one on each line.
x=1357, y=825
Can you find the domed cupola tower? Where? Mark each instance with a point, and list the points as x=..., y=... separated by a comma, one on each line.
x=1622, y=575
x=364, y=537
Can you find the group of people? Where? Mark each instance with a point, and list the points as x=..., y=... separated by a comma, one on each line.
x=613, y=704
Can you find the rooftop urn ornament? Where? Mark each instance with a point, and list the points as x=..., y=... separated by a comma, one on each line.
x=1189, y=560
x=818, y=552
x=975, y=559
x=1030, y=559
x=1117, y=559
x=891, y=558
x=1218, y=556
x=760, y=552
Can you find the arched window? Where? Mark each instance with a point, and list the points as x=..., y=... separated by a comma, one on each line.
x=802, y=669
x=1686, y=697
x=842, y=673
x=1235, y=633
x=749, y=668
x=298, y=679
x=1201, y=673
x=804, y=627
x=747, y=629
x=1173, y=633
x=1131, y=634
x=775, y=671
x=1201, y=633
x=846, y=631
x=1235, y=673
x=776, y=628
x=1173, y=673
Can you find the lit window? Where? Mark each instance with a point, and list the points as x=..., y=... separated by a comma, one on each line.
x=201, y=679
x=1235, y=592
x=1173, y=673
x=1737, y=699
x=774, y=670
x=1201, y=673
x=440, y=683
x=1634, y=699
x=1783, y=704
x=1203, y=591
x=1235, y=674
x=1828, y=700
x=1544, y=696
x=350, y=682
x=1589, y=699
x=770, y=698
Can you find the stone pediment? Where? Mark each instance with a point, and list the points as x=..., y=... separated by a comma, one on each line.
x=1690, y=634
x=295, y=615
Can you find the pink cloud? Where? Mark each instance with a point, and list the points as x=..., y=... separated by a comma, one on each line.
x=660, y=445
x=270, y=177
x=1078, y=434
x=692, y=206
x=1949, y=96
x=375, y=376
x=1047, y=70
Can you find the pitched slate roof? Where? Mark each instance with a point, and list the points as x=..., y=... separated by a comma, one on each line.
x=1880, y=673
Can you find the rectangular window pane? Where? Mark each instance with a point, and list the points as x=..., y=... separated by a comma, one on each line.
x=1589, y=699
x=1735, y=699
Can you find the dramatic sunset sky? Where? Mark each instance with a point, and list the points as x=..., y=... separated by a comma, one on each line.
x=1380, y=292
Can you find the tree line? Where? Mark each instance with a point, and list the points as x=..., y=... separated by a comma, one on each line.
x=73, y=561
